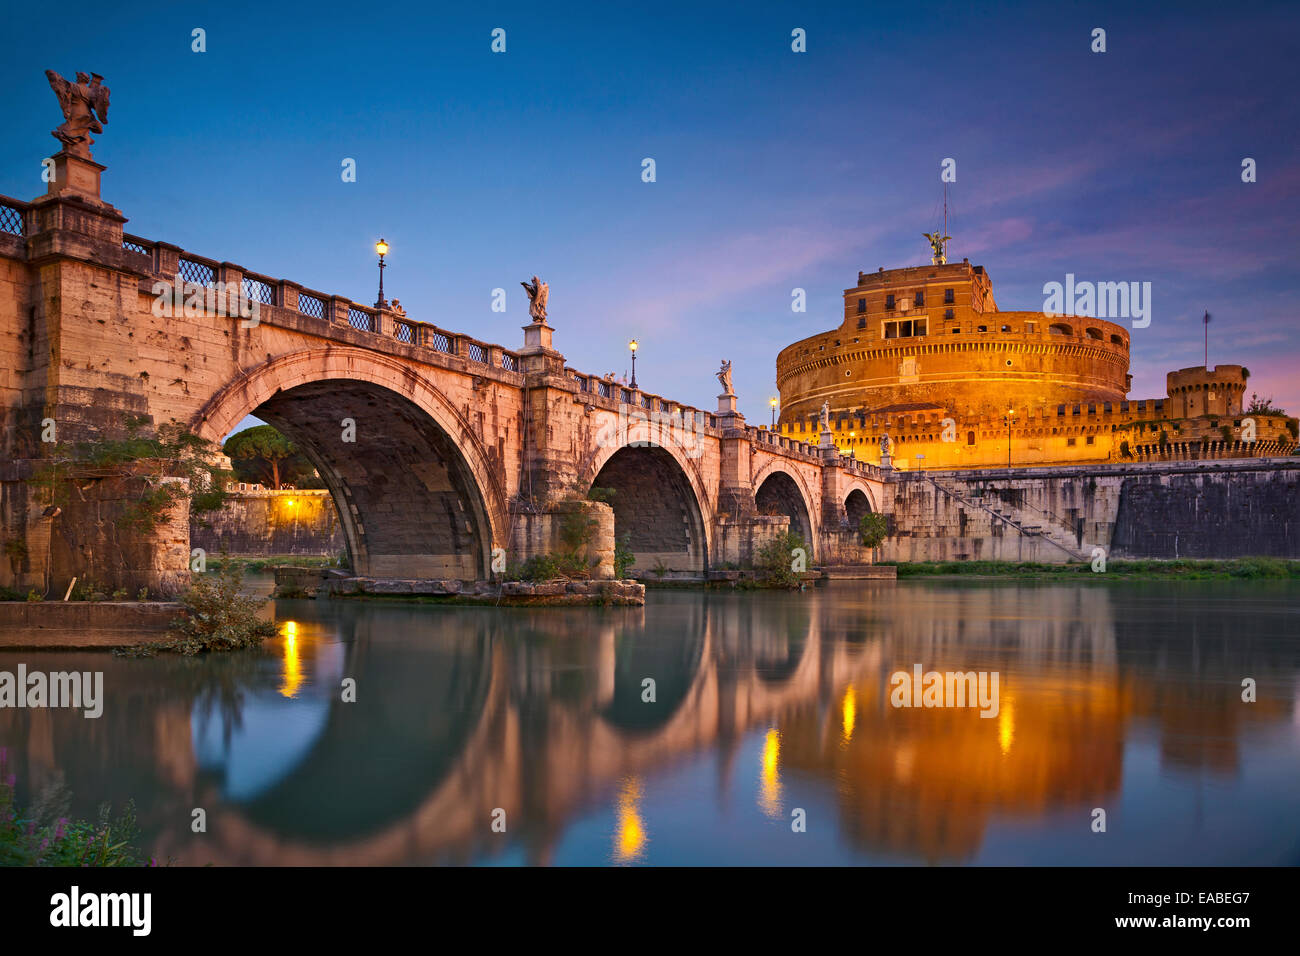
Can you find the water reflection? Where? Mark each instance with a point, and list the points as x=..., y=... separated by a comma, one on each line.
x=762, y=704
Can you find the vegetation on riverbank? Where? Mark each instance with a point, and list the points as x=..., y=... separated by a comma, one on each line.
x=258, y=565
x=217, y=618
x=43, y=835
x=1127, y=570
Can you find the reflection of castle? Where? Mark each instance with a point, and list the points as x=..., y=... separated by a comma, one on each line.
x=925, y=354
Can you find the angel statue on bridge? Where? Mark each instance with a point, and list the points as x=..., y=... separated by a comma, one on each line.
x=538, y=292
x=826, y=416
x=80, y=102
x=724, y=377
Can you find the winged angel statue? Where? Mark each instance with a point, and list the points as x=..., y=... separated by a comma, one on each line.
x=85, y=110
x=937, y=245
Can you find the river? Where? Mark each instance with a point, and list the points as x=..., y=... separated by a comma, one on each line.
x=767, y=734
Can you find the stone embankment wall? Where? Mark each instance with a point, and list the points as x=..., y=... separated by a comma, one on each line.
x=264, y=523
x=1222, y=509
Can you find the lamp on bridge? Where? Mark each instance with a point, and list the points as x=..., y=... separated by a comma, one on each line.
x=1010, y=419
x=381, y=247
x=773, y=402
x=633, y=346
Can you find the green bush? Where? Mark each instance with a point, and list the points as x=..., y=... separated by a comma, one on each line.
x=623, y=556
x=774, y=561
x=218, y=617
x=873, y=527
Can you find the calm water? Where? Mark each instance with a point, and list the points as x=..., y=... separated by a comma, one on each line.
x=1125, y=697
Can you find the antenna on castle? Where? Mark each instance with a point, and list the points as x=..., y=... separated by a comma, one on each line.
x=1206, y=321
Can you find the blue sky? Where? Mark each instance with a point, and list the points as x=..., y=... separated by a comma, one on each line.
x=775, y=170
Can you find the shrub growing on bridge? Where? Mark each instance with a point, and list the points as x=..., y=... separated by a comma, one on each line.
x=874, y=528
x=775, y=560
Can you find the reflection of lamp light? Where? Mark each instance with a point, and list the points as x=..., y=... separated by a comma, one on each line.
x=630, y=838
x=769, y=796
x=292, y=660
x=850, y=712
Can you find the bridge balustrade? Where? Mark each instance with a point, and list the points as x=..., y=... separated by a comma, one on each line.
x=11, y=217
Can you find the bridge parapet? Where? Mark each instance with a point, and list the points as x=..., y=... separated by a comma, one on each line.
x=160, y=260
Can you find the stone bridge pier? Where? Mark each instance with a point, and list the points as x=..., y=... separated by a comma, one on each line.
x=446, y=456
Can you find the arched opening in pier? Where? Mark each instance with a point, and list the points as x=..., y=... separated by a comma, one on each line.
x=408, y=502
x=856, y=506
x=780, y=495
x=655, y=510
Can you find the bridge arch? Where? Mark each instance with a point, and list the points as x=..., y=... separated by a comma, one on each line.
x=416, y=492
x=659, y=500
x=780, y=489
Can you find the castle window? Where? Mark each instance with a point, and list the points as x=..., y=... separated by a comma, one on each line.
x=1006, y=328
x=862, y=322
x=889, y=303
x=1030, y=326
x=1091, y=440
x=891, y=330
x=1060, y=409
x=862, y=305
x=1060, y=328
x=1071, y=442
x=947, y=313
x=1075, y=410
x=983, y=328
x=918, y=299
x=970, y=438
x=1092, y=408
x=949, y=296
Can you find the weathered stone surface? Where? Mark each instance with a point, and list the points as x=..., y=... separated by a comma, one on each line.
x=69, y=624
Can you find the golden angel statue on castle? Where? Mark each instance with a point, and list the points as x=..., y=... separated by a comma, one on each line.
x=937, y=245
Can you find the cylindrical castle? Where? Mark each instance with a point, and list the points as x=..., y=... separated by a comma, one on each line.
x=932, y=336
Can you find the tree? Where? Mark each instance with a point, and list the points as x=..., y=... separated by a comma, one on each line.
x=1262, y=406
x=263, y=454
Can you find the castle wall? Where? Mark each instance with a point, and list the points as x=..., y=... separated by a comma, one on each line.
x=1219, y=509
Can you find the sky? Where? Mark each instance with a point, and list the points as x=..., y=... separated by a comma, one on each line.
x=774, y=170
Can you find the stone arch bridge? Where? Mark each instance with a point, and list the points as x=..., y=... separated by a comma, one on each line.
x=437, y=447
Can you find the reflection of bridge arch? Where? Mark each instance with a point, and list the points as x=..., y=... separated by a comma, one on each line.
x=676, y=671
x=778, y=487
x=659, y=499
x=540, y=784
x=424, y=717
x=415, y=489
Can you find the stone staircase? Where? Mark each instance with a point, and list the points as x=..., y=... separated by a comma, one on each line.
x=1025, y=521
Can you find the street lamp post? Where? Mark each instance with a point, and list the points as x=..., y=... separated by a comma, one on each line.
x=633, y=346
x=381, y=247
x=1009, y=419
x=773, y=402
